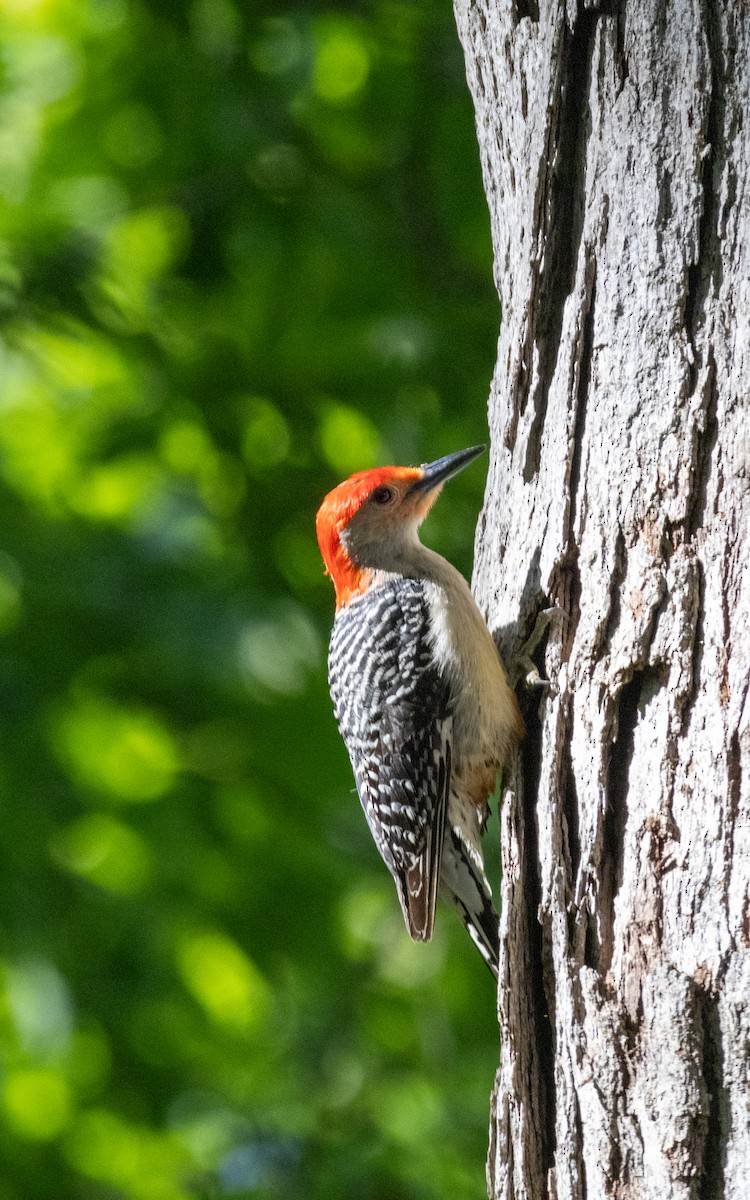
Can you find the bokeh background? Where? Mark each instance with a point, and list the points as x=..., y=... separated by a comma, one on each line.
x=244, y=251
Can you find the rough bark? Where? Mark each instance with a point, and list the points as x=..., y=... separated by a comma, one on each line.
x=615, y=145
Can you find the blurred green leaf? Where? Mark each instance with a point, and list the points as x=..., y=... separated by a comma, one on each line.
x=125, y=754
x=244, y=251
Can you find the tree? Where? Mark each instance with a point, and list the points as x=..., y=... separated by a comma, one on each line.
x=615, y=146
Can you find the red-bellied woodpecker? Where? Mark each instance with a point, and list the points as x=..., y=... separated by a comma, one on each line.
x=419, y=692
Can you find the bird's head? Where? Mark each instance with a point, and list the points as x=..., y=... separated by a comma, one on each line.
x=369, y=522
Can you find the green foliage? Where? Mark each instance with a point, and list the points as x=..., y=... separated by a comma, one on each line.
x=243, y=251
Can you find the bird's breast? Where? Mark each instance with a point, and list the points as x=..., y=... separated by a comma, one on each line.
x=486, y=720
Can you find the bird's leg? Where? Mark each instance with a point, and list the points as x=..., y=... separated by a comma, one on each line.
x=524, y=666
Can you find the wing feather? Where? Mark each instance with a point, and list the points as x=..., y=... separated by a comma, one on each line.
x=392, y=704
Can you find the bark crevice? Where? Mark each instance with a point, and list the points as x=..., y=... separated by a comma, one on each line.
x=705, y=449
x=582, y=391
x=705, y=270
x=618, y=571
x=526, y=8
x=570, y=810
x=564, y=211
x=711, y=1178
x=539, y=949
x=623, y=723
x=696, y=660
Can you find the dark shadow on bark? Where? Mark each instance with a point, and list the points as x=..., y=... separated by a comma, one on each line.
x=564, y=204
x=711, y=1185
x=540, y=949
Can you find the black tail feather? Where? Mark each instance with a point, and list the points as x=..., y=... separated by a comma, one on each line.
x=469, y=893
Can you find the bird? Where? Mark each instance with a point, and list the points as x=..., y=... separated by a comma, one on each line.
x=419, y=693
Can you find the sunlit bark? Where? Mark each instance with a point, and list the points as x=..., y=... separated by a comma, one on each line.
x=615, y=145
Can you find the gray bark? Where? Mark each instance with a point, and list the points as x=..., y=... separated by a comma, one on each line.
x=615, y=145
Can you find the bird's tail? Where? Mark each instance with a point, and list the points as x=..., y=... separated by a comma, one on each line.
x=464, y=883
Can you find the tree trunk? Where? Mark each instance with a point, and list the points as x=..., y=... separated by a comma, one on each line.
x=615, y=144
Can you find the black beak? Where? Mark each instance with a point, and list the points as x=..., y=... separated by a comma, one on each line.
x=435, y=473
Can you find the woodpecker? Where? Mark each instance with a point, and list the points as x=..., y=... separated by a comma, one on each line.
x=419, y=693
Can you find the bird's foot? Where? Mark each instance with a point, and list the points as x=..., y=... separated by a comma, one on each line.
x=526, y=668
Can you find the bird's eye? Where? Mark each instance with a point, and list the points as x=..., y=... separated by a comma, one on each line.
x=384, y=495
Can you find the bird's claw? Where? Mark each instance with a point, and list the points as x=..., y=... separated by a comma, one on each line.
x=526, y=667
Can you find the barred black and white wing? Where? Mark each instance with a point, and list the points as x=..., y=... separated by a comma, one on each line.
x=392, y=705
